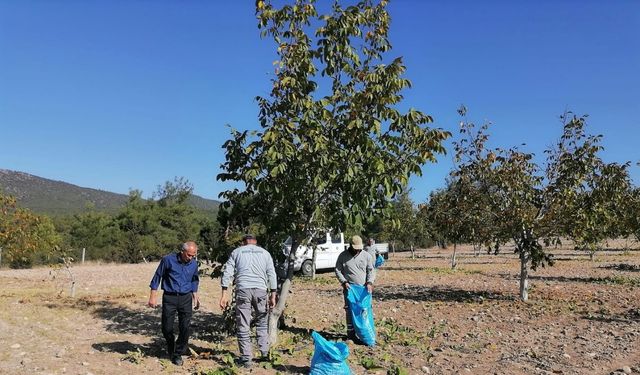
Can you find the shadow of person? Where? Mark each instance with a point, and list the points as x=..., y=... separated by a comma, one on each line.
x=155, y=348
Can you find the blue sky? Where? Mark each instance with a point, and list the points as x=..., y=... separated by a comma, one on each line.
x=128, y=94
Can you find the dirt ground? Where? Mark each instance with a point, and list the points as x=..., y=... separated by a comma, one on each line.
x=583, y=317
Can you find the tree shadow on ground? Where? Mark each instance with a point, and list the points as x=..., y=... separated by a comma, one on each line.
x=157, y=348
x=306, y=332
x=619, y=250
x=428, y=269
x=146, y=321
x=121, y=319
x=587, y=280
x=291, y=369
x=629, y=316
x=436, y=294
x=493, y=260
x=400, y=268
x=622, y=267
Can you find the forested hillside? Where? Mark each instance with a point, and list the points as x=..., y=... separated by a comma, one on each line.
x=45, y=196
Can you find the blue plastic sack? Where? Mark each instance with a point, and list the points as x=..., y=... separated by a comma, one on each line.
x=359, y=301
x=379, y=261
x=329, y=358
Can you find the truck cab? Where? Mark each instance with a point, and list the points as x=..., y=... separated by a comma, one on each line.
x=329, y=246
x=382, y=249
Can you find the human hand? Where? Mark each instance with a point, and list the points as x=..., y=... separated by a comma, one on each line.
x=153, y=299
x=196, y=303
x=152, y=302
x=224, y=301
x=346, y=285
x=272, y=301
x=369, y=288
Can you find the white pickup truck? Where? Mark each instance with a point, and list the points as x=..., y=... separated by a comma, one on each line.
x=329, y=246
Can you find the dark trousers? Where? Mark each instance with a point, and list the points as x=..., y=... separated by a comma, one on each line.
x=182, y=305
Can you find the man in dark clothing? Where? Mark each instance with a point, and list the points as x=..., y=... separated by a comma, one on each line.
x=178, y=273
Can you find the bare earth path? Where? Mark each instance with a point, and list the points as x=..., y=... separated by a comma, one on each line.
x=582, y=318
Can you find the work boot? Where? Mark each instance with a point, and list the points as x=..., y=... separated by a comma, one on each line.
x=177, y=360
x=354, y=339
x=264, y=357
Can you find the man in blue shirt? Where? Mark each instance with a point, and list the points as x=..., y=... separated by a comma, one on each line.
x=179, y=275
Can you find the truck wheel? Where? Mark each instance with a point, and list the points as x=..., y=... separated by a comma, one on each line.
x=306, y=268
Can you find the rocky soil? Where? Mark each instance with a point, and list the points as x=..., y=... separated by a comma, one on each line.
x=583, y=317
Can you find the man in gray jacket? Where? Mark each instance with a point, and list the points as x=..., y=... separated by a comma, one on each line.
x=371, y=249
x=253, y=272
x=354, y=266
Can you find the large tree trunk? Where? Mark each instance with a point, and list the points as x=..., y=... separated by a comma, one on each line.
x=454, y=262
x=276, y=312
x=524, y=276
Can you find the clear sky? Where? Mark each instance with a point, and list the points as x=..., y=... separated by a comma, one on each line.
x=128, y=94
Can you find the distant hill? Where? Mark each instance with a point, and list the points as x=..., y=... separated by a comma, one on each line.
x=52, y=197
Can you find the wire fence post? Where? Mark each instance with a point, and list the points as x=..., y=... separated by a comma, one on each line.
x=0, y=256
x=83, y=249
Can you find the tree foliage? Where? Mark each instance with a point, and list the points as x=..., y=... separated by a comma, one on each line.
x=149, y=228
x=462, y=211
x=233, y=222
x=632, y=214
x=333, y=146
x=95, y=231
x=502, y=195
x=405, y=227
x=25, y=238
x=143, y=229
x=587, y=194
